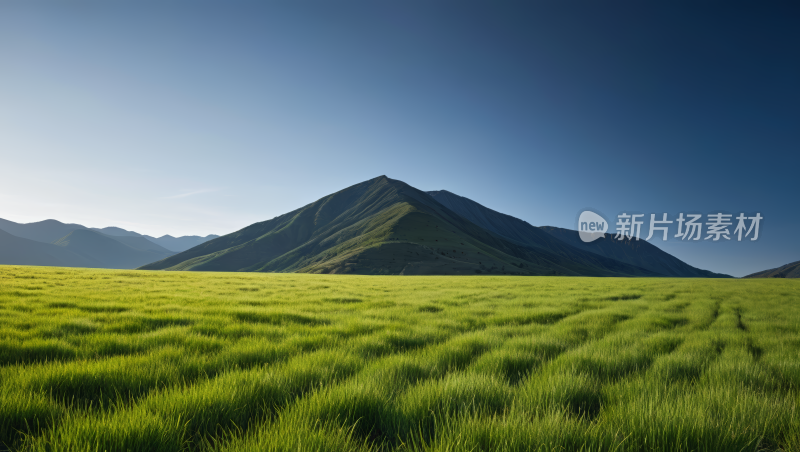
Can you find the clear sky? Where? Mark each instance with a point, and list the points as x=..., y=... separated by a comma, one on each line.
x=203, y=117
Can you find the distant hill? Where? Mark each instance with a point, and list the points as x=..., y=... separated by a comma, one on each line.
x=567, y=243
x=787, y=271
x=21, y=251
x=169, y=242
x=48, y=231
x=108, y=251
x=635, y=252
x=140, y=243
x=179, y=244
x=381, y=226
x=77, y=247
x=117, y=232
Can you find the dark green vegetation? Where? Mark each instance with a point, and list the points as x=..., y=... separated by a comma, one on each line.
x=124, y=360
x=787, y=271
x=564, y=242
x=384, y=226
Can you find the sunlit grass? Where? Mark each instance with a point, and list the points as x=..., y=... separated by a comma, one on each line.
x=134, y=360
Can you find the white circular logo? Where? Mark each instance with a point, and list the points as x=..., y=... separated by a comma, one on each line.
x=591, y=226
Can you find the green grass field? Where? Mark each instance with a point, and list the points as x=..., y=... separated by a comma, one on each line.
x=134, y=360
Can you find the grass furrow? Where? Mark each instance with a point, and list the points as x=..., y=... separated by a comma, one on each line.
x=174, y=361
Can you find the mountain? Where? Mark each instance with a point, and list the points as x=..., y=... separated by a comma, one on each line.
x=110, y=252
x=117, y=232
x=567, y=244
x=522, y=233
x=381, y=226
x=176, y=244
x=787, y=271
x=77, y=246
x=48, y=231
x=505, y=225
x=635, y=252
x=140, y=243
x=21, y=251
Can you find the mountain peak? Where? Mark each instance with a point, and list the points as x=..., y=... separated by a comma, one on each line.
x=382, y=226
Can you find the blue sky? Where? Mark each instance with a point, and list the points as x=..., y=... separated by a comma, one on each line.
x=204, y=117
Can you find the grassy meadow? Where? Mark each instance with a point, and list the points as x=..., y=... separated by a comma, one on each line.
x=111, y=360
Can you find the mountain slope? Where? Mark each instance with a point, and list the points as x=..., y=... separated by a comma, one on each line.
x=522, y=233
x=635, y=252
x=505, y=225
x=787, y=271
x=141, y=243
x=21, y=251
x=567, y=243
x=108, y=251
x=381, y=226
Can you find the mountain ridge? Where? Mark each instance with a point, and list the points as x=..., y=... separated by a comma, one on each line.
x=790, y=270
x=566, y=242
x=634, y=252
x=79, y=247
x=48, y=231
x=380, y=226
x=105, y=249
